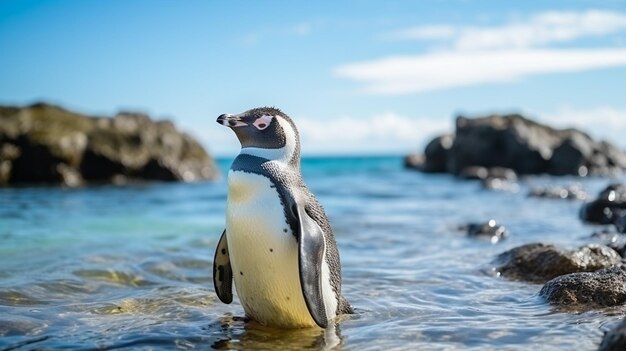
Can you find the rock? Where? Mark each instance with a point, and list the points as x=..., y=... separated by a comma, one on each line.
x=435, y=156
x=482, y=173
x=607, y=208
x=615, y=339
x=571, y=192
x=572, y=155
x=620, y=224
x=500, y=185
x=494, y=178
x=540, y=262
x=603, y=288
x=414, y=161
x=42, y=143
x=474, y=173
x=612, y=239
x=522, y=145
x=491, y=230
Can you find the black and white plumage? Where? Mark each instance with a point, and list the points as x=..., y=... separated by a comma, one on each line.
x=278, y=246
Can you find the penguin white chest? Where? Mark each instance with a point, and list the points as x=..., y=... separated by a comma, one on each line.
x=263, y=252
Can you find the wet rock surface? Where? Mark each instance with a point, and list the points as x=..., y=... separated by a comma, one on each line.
x=482, y=173
x=570, y=192
x=612, y=239
x=608, y=208
x=606, y=287
x=615, y=339
x=47, y=144
x=540, y=262
x=518, y=143
x=490, y=230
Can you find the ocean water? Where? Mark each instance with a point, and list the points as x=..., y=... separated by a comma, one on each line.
x=110, y=267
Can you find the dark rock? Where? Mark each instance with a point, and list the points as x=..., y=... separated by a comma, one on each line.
x=571, y=192
x=46, y=144
x=482, y=173
x=494, y=178
x=620, y=224
x=474, y=173
x=491, y=230
x=540, y=262
x=608, y=207
x=502, y=141
x=435, y=158
x=526, y=147
x=615, y=339
x=499, y=184
x=572, y=155
x=606, y=287
x=612, y=239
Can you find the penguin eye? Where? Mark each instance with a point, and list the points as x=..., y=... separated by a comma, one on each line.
x=263, y=122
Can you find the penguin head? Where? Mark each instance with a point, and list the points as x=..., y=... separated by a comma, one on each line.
x=264, y=128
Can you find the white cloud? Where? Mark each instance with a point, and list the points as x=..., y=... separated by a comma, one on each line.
x=433, y=71
x=489, y=54
x=432, y=32
x=383, y=133
x=541, y=29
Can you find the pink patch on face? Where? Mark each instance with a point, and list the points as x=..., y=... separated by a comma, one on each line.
x=263, y=122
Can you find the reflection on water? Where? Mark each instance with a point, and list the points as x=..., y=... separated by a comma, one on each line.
x=113, y=268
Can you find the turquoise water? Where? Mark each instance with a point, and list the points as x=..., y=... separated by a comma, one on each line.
x=114, y=267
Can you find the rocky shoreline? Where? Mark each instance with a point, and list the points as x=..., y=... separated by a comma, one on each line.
x=499, y=149
x=592, y=276
x=46, y=144
x=519, y=145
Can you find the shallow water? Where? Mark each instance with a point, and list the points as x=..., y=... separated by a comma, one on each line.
x=115, y=267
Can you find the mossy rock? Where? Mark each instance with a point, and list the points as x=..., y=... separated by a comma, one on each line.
x=54, y=145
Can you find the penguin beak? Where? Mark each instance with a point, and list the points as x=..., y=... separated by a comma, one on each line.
x=230, y=121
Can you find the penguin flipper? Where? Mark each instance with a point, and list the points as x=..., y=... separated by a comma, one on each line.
x=222, y=271
x=311, y=247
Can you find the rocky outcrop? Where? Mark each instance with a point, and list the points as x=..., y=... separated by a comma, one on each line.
x=615, y=339
x=42, y=143
x=520, y=144
x=571, y=192
x=490, y=230
x=608, y=208
x=540, y=262
x=606, y=287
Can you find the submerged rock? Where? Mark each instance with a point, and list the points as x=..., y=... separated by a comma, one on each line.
x=500, y=184
x=620, y=224
x=612, y=239
x=540, y=262
x=482, y=173
x=491, y=230
x=615, y=339
x=606, y=287
x=571, y=192
x=494, y=178
x=608, y=207
x=525, y=146
x=42, y=143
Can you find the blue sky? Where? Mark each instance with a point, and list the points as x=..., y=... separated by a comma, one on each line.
x=357, y=76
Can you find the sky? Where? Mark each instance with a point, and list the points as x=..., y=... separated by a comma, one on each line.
x=357, y=76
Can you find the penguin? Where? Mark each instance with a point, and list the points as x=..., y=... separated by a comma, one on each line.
x=278, y=247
